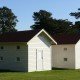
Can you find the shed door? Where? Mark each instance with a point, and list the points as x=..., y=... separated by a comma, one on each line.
x=39, y=60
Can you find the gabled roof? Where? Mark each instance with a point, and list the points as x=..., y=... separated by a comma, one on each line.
x=20, y=36
x=25, y=36
x=66, y=38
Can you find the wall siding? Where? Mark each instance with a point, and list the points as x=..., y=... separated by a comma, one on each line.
x=77, y=55
x=58, y=55
x=39, y=43
x=9, y=54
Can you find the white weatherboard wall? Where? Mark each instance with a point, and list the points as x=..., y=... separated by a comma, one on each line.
x=77, y=55
x=58, y=55
x=37, y=44
x=9, y=54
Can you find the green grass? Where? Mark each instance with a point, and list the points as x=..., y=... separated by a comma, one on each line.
x=46, y=75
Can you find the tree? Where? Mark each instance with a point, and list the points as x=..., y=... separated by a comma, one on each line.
x=7, y=20
x=61, y=26
x=76, y=14
x=76, y=26
x=44, y=20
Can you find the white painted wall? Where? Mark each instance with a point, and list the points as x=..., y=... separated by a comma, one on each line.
x=9, y=54
x=58, y=55
x=38, y=43
x=77, y=55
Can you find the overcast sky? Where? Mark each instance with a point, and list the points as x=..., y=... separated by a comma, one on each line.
x=24, y=9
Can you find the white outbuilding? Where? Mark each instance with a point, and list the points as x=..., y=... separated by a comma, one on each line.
x=66, y=54
x=26, y=50
x=36, y=50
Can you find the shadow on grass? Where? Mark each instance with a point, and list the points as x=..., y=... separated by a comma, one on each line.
x=2, y=70
x=54, y=68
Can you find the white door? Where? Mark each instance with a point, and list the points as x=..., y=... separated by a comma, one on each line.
x=39, y=60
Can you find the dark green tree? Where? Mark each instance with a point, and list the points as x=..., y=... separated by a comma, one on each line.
x=7, y=20
x=44, y=20
x=76, y=14
x=61, y=26
x=76, y=26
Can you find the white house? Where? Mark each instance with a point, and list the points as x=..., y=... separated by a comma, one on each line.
x=66, y=54
x=36, y=50
x=26, y=50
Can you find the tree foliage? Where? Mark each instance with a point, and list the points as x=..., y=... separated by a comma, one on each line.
x=76, y=14
x=44, y=20
x=7, y=20
x=76, y=26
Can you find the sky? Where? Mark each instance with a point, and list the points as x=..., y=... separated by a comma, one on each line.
x=24, y=9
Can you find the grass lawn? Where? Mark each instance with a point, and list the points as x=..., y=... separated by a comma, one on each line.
x=46, y=75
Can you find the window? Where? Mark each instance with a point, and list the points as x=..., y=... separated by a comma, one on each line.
x=18, y=47
x=65, y=49
x=65, y=59
x=2, y=47
x=18, y=58
x=1, y=58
